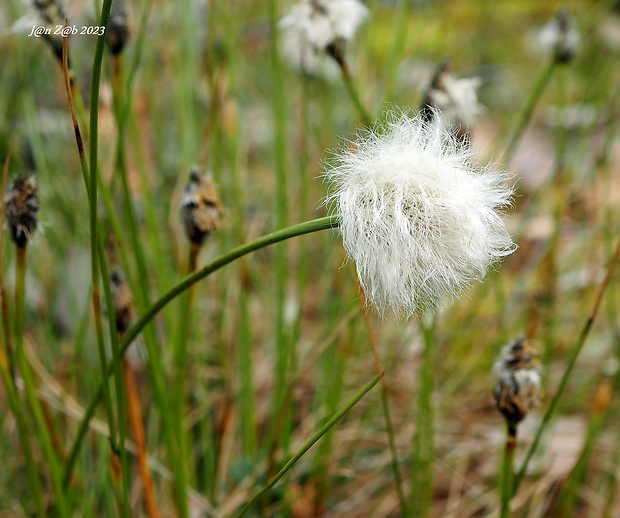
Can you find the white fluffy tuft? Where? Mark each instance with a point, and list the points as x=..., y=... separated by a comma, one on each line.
x=457, y=101
x=418, y=216
x=312, y=25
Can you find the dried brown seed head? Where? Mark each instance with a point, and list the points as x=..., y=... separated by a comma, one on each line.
x=200, y=207
x=124, y=311
x=52, y=14
x=21, y=206
x=517, y=388
x=50, y=11
x=119, y=27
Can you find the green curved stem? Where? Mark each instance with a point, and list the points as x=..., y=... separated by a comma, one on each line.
x=311, y=442
x=261, y=242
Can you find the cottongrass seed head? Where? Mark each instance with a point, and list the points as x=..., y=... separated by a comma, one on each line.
x=560, y=37
x=311, y=26
x=455, y=99
x=418, y=216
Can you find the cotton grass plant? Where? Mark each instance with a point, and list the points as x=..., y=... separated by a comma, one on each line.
x=256, y=397
x=420, y=218
x=21, y=205
x=517, y=390
x=315, y=27
x=455, y=99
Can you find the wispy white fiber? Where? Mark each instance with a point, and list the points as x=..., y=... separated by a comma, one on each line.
x=560, y=37
x=312, y=25
x=419, y=217
x=457, y=100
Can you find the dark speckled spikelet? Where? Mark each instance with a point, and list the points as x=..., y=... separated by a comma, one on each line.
x=21, y=206
x=200, y=207
x=119, y=27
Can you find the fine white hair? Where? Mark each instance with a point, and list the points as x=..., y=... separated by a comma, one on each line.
x=420, y=218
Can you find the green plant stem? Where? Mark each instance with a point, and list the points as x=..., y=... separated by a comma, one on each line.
x=384, y=397
x=7, y=352
x=24, y=432
x=234, y=70
x=119, y=383
x=189, y=72
x=507, y=472
x=565, y=501
x=398, y=44
x=181, y=343
x=121, y=114
x=100, y=256
x=526, y=113
x=558, y=196
x=149, y=210
x=7, y=371
x=332, y=365
x=96, y=258
x=352, y=90
x=247, y=396
x=609, y=509
x=119, y=376
x=423, y=452
x=569, y=368
x=612, y=311
x=261, y=242
x=311, y=442
x=30, y=388
x=392, y=443
x=246, y=391
x=156, y=370
x=283, y=345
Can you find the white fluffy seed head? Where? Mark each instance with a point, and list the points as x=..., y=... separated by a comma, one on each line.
x=560, y=37
x=312, y=25
x=418, y=216
x=457, y=100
